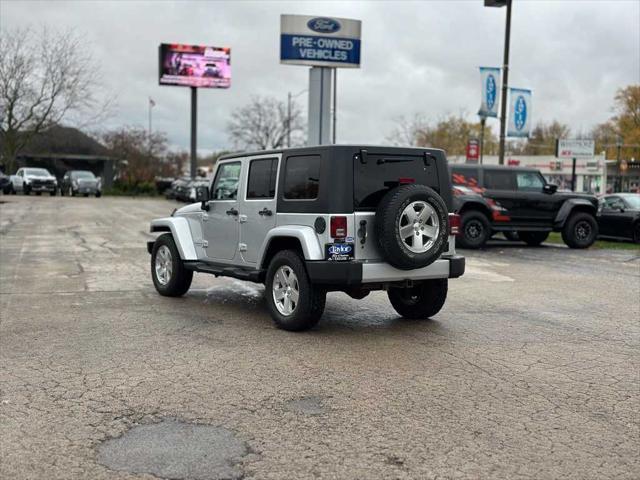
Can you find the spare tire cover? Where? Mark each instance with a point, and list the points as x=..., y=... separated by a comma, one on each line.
x=412, y=226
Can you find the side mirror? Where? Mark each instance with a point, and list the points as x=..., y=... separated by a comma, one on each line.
x=202, y=196
x=550, y=188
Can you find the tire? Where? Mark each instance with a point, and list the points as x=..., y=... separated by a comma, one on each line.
x=403, y=211
x=511, y=236
x=306, y=312
x=38, y=193
x=533, y=239
x=580, y=230
x=421, y=301
x=61, y=191
x=53, y=194
x=86, y=195
x=475, y=229
x=98, y=194
x=635, y=231
x=26, y=190
x=178, y=280
x=71, y=192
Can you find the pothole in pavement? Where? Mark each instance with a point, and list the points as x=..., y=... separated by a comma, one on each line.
x=176, y=450
x=307, y=406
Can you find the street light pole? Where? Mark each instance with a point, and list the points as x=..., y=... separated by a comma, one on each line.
x=505, y=83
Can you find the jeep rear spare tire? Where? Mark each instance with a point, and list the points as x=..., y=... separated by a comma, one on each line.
x=412, y=226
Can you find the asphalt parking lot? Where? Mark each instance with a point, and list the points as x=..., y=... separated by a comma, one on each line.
x=532, y=369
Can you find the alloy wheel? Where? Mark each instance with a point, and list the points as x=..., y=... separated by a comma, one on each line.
x=419, y=226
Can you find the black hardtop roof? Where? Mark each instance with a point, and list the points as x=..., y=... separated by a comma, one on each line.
x=494, y=167
x=302, y=150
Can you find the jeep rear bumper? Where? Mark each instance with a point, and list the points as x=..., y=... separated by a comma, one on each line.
x=358, y=273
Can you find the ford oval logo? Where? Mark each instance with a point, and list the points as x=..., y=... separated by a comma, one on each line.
x=490, y=91
x=520, y=113
x=323, y=25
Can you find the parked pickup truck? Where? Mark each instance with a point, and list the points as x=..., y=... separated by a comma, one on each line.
x=521, y=204
x=311, y=220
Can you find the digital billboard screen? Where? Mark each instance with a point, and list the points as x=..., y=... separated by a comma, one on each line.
x=195, y=66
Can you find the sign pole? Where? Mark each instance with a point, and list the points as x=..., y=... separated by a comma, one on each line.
x=505, y=83
x=483, y=120
x=573, y=174
x=194, y=131
x=335, y=102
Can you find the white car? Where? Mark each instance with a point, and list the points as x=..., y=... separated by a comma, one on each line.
x=37, y=180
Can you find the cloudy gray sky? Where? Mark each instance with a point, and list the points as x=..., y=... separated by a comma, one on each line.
x=417, y=57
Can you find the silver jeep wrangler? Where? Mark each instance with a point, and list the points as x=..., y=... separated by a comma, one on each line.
x=311, y=220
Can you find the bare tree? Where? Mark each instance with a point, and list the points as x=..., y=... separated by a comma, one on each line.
x=45, y=77
x=262, y=124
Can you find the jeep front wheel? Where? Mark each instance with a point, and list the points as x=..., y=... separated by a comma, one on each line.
x=420, y=301
x=170, y=277
x=580, y=230
x=294, y=303
x=475, y=230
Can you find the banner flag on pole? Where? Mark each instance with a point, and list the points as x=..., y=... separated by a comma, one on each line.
x=519, y=112
x=490, y=79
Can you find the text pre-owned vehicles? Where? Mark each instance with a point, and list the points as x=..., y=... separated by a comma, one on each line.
x=311, y=220
x=619, y=216
x=37, y=180
x=494, y=199
x=80, y=182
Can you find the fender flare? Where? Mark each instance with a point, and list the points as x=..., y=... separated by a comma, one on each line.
x=306, y=235
x=569, y=206
x=179, y=229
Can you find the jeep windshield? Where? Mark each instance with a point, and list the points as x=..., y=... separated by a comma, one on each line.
x=37, y=172
x=375, y=173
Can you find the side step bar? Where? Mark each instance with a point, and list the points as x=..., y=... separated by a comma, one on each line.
x=251, y=275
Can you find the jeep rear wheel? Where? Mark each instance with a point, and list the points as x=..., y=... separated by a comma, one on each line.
x=475, y=230
x=580, y=230
x=170, y=277
x=294, y=303
x=412, y=226
x=533, y=239
x=420, y=301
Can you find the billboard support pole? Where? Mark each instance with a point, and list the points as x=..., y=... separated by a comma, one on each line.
x=194, y=131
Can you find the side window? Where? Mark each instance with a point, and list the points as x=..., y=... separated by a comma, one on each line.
x=529, y=181
x=262, y=178
x=613, y=203
x=465, y=177
x=225, y=186
x=499, y=180
x=302, y=177
x=20, y=172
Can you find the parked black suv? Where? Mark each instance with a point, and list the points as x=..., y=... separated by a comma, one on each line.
x=494, y=199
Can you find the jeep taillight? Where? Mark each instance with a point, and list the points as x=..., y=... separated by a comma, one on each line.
x=338, y=227
x=454, y=224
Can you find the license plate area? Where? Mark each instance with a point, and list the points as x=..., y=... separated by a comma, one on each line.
x=339, y=252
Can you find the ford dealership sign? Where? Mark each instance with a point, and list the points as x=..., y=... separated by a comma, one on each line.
x=319, y=41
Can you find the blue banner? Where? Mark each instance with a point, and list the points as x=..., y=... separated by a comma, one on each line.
x=490, y=80
x=519, y=112
x=315, y=50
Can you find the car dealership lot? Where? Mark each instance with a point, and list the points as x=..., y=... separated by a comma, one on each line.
x=530, y=370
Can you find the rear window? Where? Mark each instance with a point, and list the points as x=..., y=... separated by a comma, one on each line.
x=466, y=177
x=262, y=178
x=301, y=177
x=499, y=180
x=381, y=172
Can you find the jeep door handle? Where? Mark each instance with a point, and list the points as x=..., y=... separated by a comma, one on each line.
x=233, y=211
x=265, y=211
